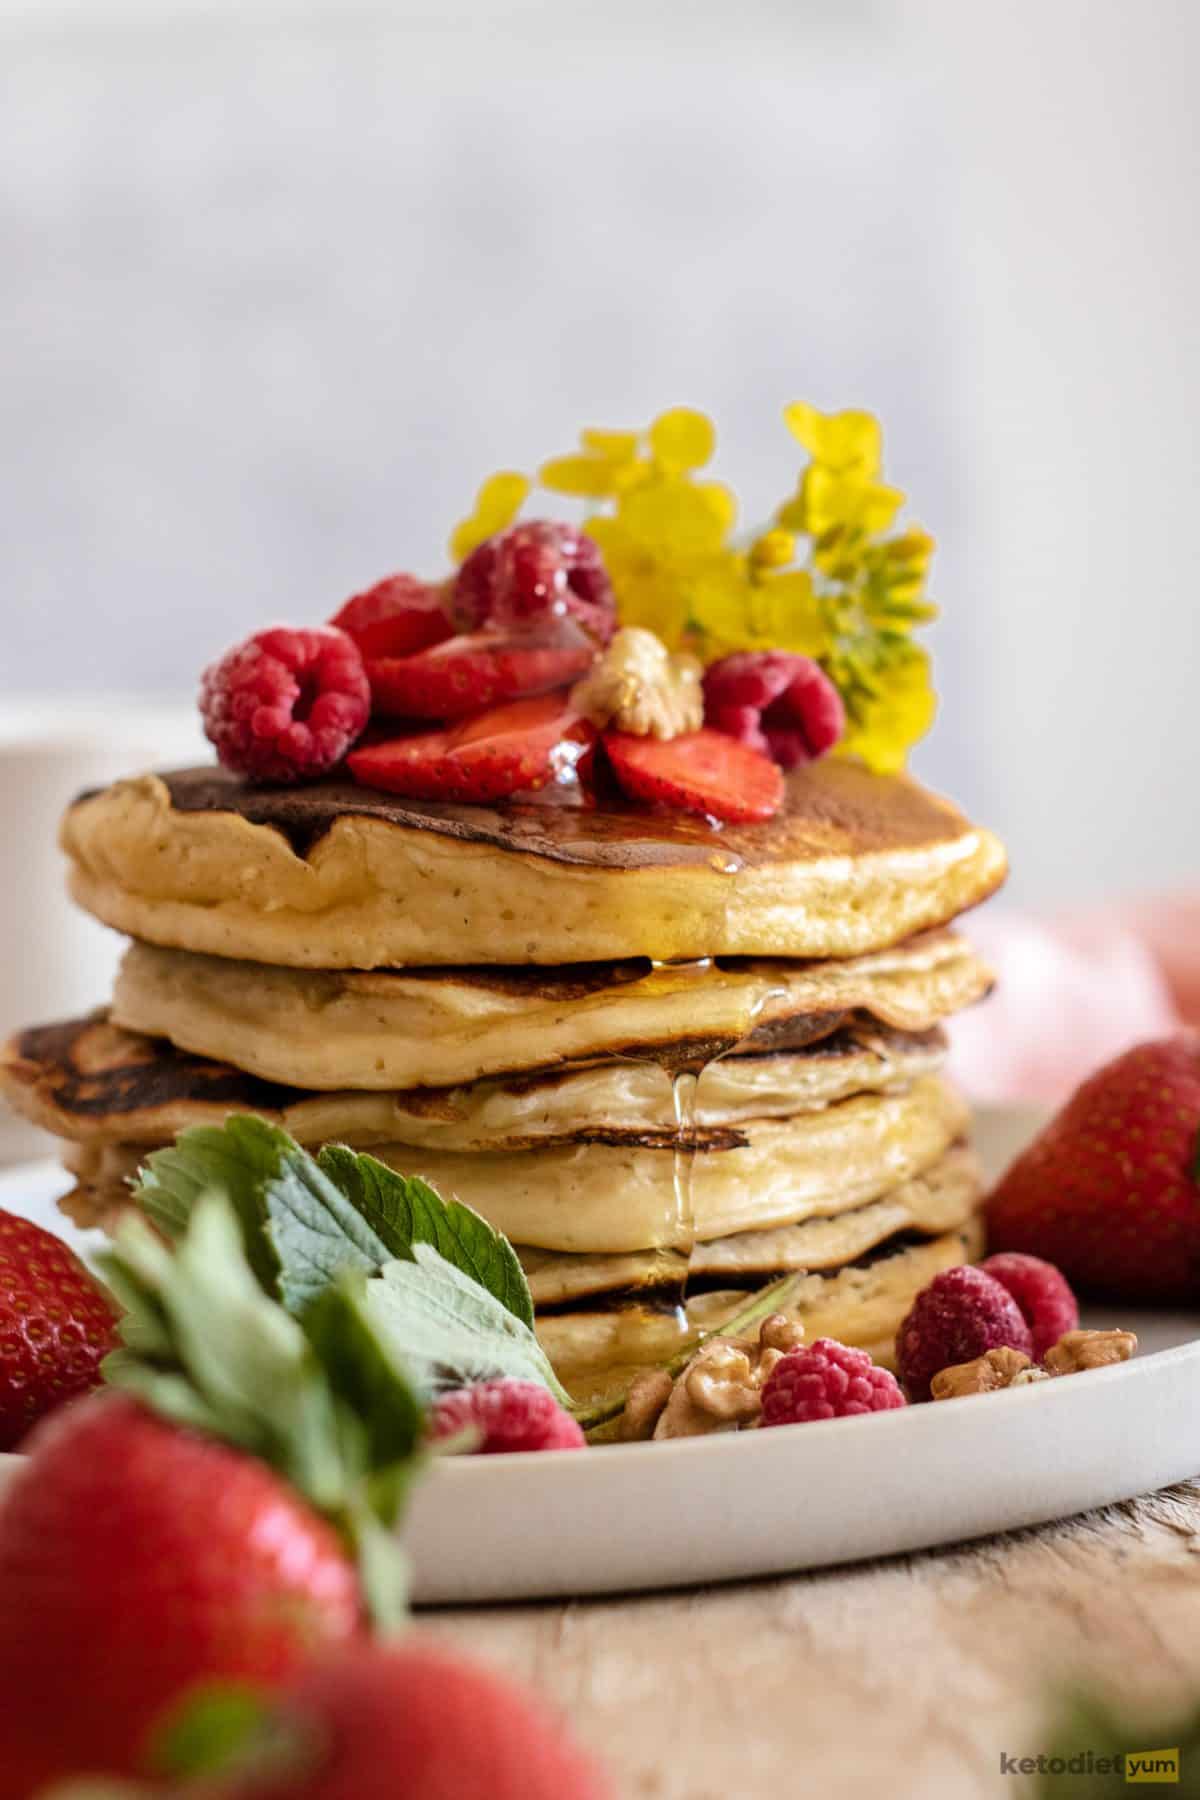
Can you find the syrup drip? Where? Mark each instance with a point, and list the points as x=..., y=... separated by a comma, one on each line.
x=683, y=1075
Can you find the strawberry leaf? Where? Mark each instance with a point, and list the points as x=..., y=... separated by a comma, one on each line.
x=299, y=1228
x=450, y=1332
x=305, y=1219
x=326, y=1236
x=405, y=1211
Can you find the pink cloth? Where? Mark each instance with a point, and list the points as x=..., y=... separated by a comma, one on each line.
x=1074, y=991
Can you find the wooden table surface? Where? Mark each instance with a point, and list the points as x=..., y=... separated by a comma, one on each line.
x=902, y=1678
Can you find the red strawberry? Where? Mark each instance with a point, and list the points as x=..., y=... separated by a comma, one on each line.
x=701, y=772
x=466, y=674
x=374, y=1724
x=136, y=1559
x=396, y=617
x=56, y=1326
x=505, y=751
x=1110, y=1191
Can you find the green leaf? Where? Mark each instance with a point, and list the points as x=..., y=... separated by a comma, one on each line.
x=364, y=1375
x=403, y=1211
x=239, y=1365
x=298, y=1227
x=449, y=1331
x=232, y=1159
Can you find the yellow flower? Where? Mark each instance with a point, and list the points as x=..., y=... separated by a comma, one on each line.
x=617, y=446
x=581, y=474
x=682, y=439
x=663, y=541
x=497, y=504
x=773, y=550
x=827, y=499
x=885, y=726
x=846, y=443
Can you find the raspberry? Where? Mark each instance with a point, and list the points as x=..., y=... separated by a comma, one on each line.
x=512, y=1415
x=826, y=1380
x=1041, y=1291
x=533, y=574
x=287, y=704
x=784, y=705
x=960, y=1315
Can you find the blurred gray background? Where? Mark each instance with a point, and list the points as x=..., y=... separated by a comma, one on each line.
x=282, y=282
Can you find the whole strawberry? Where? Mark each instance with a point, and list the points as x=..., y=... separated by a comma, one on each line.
x=135, y=1559
x=1110, y=1190
x=375, y=1724
x=56, y=1326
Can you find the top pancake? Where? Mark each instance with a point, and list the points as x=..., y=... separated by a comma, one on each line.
x=339, y=876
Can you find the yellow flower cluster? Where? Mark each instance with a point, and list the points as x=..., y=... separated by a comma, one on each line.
x=828, y=577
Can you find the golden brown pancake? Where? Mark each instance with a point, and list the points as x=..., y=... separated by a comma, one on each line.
x=602, y=1198
x=346, y=1029
x=940, y=1200
x=89, y=1080
x=339, y=876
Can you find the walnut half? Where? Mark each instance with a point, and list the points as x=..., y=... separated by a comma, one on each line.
x=988, y=1373
x=638, y=686
x=721, y=1387
x=1078, y=1351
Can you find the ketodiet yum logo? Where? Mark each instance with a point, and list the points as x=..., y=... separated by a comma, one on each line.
x=1143, y=1768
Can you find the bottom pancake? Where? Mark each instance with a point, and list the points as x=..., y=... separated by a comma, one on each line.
x=863, y=1304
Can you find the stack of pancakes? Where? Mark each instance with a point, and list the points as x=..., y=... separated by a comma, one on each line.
x=669, y=1061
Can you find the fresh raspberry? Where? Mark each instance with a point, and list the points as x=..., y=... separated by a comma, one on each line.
x=56, y=1326
x=512, y=1415
x=287, y=704
x=699, y=771
x=396, y=617
x=784, y=705
x=536, y=572
x=1041, y=1291
x=826, y=1380
x=959, y=1316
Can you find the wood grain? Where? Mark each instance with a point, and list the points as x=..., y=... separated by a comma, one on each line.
x=886, y=1679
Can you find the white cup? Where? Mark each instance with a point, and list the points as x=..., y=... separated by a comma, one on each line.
x=55, y=962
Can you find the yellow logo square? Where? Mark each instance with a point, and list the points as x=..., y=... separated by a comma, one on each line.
x=1157, y=1766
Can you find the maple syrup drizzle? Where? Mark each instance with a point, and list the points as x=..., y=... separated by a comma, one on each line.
x=685, y=1073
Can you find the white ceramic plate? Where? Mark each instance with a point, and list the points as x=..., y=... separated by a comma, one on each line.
x=641, y=1516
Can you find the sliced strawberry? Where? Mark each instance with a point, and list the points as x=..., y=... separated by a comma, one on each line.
x=468, y=674
x=396, y=617
x=700, y=771
x=506, y=751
